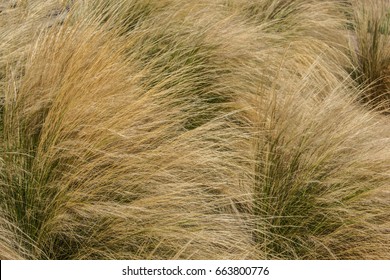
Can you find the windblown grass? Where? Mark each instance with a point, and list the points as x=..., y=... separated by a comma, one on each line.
x=81, y=175
x=314, y=177
x=180, y=130
x=371, y=50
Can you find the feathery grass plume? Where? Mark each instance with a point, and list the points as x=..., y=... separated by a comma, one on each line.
x=300, y=33
x=187, y=130
x=185, y=42
x=96, y=165
x=20, y=22
x=318, y=166
x=126, y=14
x=318, y=172
x=296, y=19
x=370, y=50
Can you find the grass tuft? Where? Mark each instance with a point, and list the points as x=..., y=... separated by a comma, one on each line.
x=194, y=130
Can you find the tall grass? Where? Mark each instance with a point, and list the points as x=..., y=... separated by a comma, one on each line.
x=92, y=181
x=370, y=50
x=181, y=130
x=314, y=177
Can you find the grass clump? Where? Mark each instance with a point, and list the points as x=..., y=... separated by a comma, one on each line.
x=181, y=130
x=313, y=188
x=92, y=181
x=370, y=51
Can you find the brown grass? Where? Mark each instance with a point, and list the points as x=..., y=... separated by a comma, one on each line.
x=181, y=130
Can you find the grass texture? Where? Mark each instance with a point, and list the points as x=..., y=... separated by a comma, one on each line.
x=178, y=129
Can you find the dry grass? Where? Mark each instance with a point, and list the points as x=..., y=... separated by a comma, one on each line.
x=370, y=44
x=180, y=130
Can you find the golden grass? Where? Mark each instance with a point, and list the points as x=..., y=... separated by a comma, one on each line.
x=371, y=50
x=180, y=130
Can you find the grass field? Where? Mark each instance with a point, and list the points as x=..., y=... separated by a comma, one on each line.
x=178, y=129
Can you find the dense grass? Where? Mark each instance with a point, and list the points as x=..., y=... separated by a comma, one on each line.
x=236, y=129
x=371, y=53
